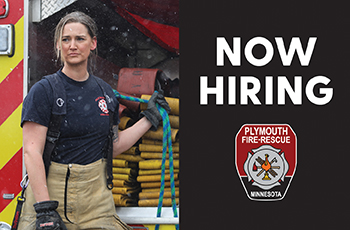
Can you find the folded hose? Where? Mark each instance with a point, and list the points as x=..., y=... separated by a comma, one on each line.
x=167, y=144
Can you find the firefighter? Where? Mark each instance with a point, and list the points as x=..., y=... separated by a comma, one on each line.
x=74, y=194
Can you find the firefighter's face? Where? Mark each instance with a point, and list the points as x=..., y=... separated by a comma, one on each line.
x=76, y=44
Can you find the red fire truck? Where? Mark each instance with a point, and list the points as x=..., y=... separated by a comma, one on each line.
x=132, y=34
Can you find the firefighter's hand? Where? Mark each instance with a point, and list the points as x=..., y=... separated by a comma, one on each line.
x=47, y=218
x=152, y=113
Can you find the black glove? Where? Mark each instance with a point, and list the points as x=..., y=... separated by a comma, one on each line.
x=152, y=113
x=47, y=218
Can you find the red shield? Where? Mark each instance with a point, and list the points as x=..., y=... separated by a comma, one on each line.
x=266, y=157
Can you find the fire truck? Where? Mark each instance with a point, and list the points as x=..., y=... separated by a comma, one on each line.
x=133, y=34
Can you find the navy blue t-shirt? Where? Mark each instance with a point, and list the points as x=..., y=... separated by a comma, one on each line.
x=84, y=130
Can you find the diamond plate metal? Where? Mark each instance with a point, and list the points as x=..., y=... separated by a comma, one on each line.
x=49, y=7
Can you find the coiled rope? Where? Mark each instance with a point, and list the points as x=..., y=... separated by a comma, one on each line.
x=166, y=143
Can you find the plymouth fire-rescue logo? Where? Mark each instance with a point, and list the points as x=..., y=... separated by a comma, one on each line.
x=266, y=160
x=102, y=104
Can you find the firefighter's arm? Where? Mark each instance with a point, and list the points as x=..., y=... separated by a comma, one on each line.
x=34, y=137
x=150, y=120
x=125, y=139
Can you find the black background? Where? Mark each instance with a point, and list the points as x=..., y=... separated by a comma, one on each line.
x=211, y=195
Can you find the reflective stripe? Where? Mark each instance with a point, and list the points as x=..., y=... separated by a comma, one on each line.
x=7, y=175
x=8, y=64
x=11, y=92
x=11, y=96
x=11, y=137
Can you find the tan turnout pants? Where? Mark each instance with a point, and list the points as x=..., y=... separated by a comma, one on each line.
x=90, y=204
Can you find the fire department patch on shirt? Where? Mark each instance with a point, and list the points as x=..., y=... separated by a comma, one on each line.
x=266, y=158
x=102, y=104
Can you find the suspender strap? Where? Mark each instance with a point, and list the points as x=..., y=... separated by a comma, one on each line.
x=109, y=147
x=109, y=152
x=52, y=137
x=57, y=114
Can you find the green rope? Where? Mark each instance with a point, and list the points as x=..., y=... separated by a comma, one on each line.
x=166, y=143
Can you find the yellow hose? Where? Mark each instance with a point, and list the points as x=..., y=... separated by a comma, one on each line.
x=173, y=104
x=156, y=148
x=158, y=189
x=156, y=142
x=156, y=164
x=123, y=200
x=152, y=178
x=158, y=135
x=150, y=155
x=154, y=202
x=157, y=184
x=128, y=171
x=155, y=195
x=130, y=158
x=155, y=171
x=123, y=163
x=132, y=151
